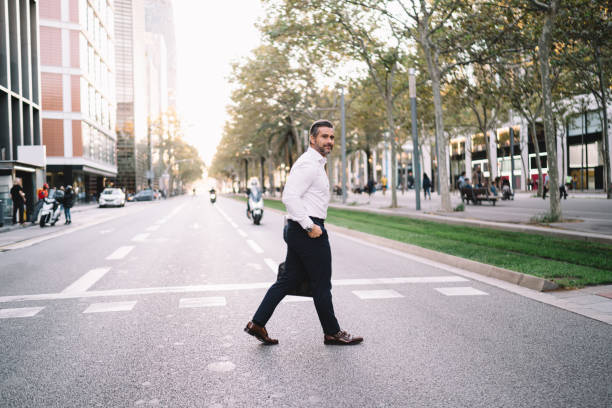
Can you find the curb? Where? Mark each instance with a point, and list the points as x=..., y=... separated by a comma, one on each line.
x=516, y=278
x=599, y=238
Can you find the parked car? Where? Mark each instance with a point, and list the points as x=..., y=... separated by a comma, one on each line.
x=112, y=197
x=144, y=195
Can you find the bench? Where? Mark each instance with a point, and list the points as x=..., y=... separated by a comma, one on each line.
x=476, y=195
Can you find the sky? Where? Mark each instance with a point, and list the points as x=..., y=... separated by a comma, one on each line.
x=210, y=36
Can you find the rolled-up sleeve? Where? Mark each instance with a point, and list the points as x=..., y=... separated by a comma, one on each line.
x=300, y=178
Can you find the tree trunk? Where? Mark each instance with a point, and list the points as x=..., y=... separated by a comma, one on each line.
x=434, y=73
x=536, y=147
x=368, y=153
x=544, y=45
x=271, y=177
x=262, y=161
x=604, y=99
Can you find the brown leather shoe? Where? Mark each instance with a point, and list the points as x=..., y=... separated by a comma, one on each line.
x=342, y=338
x=260, y=333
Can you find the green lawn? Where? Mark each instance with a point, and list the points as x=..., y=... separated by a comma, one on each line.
x=570, y=263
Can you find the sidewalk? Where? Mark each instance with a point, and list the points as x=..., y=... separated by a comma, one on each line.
x=586, y=215
x=76, y=209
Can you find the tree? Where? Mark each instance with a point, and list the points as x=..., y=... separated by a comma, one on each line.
x=484, y=94
x=587, y=52
x=549, y=11
x=344, y=31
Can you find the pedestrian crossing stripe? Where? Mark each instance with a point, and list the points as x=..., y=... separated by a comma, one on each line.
x=20, y=312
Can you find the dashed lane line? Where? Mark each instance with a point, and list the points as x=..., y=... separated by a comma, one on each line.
x=120, y=253
x=256, y=248
x=271, y=264
x=153, y=228
x=242, y=233
x=86, y=281
x=141, y=237
x=222, y=288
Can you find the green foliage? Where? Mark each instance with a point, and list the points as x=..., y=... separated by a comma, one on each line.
x=459, y=208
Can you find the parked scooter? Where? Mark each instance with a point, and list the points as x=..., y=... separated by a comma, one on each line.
x=50, y=211
x=213, y=196
x=255, y=206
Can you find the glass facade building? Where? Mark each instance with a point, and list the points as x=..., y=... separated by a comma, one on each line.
x=22, y=154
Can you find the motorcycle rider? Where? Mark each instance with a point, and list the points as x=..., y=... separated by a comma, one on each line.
x=252, y=191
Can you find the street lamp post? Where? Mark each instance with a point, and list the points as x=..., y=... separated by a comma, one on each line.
x=343, y=144
x=415, y=139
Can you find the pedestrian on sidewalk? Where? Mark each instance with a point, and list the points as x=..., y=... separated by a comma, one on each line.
x=477, y=177
x=42, y=194
x=426, y=186
x=68, y=202
x=19, y=200
x=306, y=196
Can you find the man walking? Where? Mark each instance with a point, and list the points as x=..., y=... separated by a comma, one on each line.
x=19, y=199
x=306, y=196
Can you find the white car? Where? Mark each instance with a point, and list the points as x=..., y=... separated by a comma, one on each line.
x=112, y=197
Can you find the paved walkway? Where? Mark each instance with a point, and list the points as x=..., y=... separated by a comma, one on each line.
x=584, y=214
x=76, y=209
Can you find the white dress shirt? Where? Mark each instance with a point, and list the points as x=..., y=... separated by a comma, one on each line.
x=306, y=192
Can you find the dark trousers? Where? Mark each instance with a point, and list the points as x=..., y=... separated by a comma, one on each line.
x=18, y=208
x=306, y=258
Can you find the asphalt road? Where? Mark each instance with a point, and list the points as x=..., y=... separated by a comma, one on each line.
x=146, y=306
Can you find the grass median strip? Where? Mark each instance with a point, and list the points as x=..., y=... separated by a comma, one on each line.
x=569, y=263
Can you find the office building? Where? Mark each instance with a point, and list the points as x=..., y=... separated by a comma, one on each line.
x=78, y=93
x=21, y=151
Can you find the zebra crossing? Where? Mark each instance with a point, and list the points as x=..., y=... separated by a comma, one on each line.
x=221, y=301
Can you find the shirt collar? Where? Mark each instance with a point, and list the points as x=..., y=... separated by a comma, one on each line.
x=316, y=155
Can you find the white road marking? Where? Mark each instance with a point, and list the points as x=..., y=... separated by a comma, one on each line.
x=110, y=307
x=391, y=281
x=195, y=226
x=153, y=228
x=141, y=237
x=254, y=265
x=202, y=302
x=271, y=264
x=256, y=248
x=291, y=299
x=461, y=291
x=106, y=231
x=242, y=233
x=233, y=224
x=161, y=221
x=20, y=312
x=223, y=287
x=120, y=253
x=377, y=294
x=86, y=281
